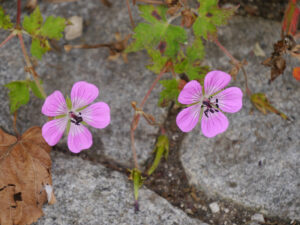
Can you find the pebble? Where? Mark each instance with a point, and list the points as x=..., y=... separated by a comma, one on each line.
x=214, y=207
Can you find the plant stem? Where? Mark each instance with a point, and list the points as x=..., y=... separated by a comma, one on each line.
x=18, y=14
x=236, y=62
x=226, y=52
x=30, y=67
x=130, y=14
x=7, y=39
x=136, y=117
x=151, y=2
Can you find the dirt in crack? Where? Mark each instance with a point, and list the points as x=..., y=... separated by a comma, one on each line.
x=170, y=181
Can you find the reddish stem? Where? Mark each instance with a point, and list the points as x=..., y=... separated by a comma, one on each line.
x=136, y=117
x=7, y=39
x=130, y=15
x=226, y=52
x=18, y=14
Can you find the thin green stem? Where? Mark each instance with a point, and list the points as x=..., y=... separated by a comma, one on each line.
x=30, y=67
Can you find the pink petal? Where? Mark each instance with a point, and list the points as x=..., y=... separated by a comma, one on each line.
x=82, y=94
x=188, y=118
x=97, y=115
x=191, y=93
x=53, y=130
x=79, y=138
x=215, y=81
x=230, y=100
x=55, y=105
x=214, y=124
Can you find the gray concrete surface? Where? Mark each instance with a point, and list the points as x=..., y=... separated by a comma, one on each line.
x=90, y=194
x=256, y=161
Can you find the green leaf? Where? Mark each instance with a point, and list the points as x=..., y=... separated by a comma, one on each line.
x=138, y=181
x=261, y=102
x=39, y=48
x=209, y=17
x=157, y=31
x=18, y=94
x=161, y=149
x=35, y=90
x=53, y=27
x=33, y=23
x=170, y=92
x=158, y=61
x=5, y=22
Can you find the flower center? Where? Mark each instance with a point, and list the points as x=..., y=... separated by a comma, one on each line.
x=76, y=119
x=210, y=107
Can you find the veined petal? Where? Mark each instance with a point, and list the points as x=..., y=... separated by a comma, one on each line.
x=215, y=81
x=53, y=130
x=55, y=105
x=230, y=100
x=82, y=94
x=79, y=138
x=213, y=124
x=188, y=118
x=97, y=115
x=191, y=93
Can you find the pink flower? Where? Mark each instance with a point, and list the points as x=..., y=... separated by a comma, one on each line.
x=210, y=106
x=73, y=114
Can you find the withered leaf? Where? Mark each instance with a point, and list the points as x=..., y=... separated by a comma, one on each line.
x=25, y=166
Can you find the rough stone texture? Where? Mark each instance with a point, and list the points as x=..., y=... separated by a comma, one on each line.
x=256, y=161
x=90, y=194
x=119, y=83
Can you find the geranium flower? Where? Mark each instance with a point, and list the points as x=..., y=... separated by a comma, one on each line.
x=210, y=105
x=73, y=114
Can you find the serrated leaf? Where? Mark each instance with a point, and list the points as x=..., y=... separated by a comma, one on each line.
x=53, y=27
x=39, y=48
x=18, y=94
x=5, y=22
x=35, y=90
x=33, y=23
x=209, y=17
x=161, y=149
x=261, y=102
x=169, y=93
x=157, y=30
x=158, y=61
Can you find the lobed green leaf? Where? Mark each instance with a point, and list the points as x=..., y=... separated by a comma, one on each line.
x=169, y=93
x=18, y=94
x=53, y=27
x=5, y=22
x=39, y=48
x=34, y=22
x=209, y=17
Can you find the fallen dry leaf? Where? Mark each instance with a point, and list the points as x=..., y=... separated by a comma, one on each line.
x=25, y=166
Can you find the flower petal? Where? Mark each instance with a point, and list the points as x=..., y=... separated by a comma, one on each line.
x=97, y=115
x=53, y=130
x=188, y=118
x=55, y=105
x=191, y=93
x=213, y=124
x=230, y=100
x=82, y=94
x=79, y=138
x=215, y=81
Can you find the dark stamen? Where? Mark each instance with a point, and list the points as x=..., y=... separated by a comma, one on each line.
x=216, y=110
x=217, y=100
x=205, y=112
x=211, y=110
x=217, y=105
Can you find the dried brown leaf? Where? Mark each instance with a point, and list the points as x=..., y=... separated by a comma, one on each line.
x=25, y=166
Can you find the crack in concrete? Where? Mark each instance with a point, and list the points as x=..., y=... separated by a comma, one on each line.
x=170, y=182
